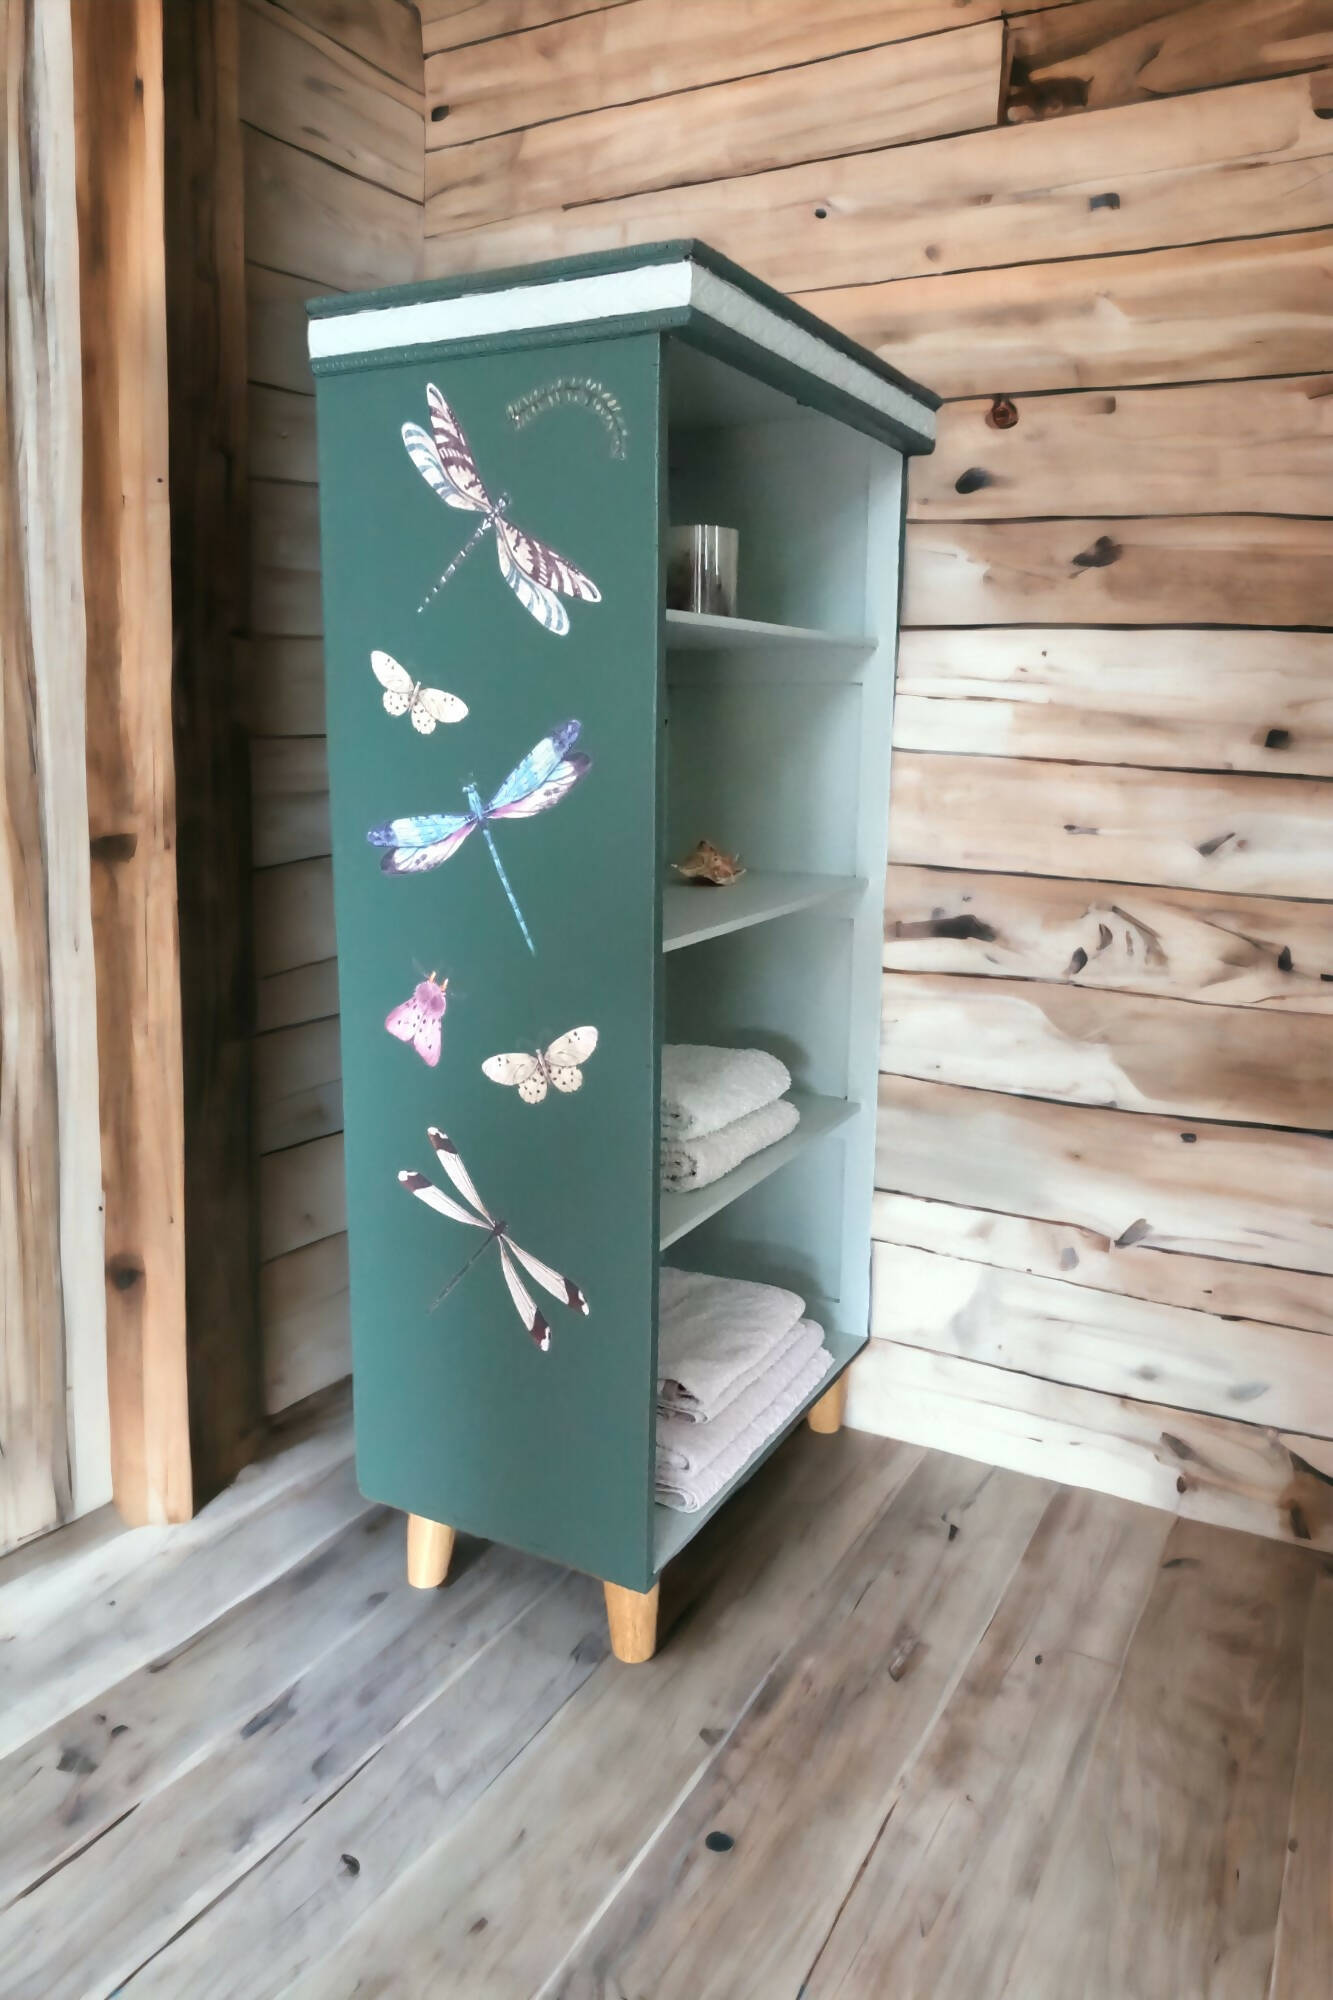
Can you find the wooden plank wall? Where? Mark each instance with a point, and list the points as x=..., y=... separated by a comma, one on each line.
x=333, y=124
x=1103, y=229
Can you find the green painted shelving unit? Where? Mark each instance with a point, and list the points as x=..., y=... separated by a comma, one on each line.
x=590, y=403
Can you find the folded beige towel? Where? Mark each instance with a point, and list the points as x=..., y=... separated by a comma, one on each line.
x=704, y=1088
x=687, y=1447
x=686, y=1492
x=695, y=1162
x=714, y=1337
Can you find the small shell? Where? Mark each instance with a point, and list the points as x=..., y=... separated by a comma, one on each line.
x=709, y=865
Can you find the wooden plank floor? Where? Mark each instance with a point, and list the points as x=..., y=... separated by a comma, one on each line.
x=917, y=1728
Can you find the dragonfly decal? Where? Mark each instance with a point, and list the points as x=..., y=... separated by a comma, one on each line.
x=555, y=1068
x=546, y=774
x=405, y=695
x=477, y=1216
x=419, y=1019
x=536, y=574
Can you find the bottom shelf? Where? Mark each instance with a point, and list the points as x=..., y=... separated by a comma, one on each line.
x=672, y=1530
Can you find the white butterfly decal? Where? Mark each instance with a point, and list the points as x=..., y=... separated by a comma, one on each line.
x=405, y=696
x=556, y=1067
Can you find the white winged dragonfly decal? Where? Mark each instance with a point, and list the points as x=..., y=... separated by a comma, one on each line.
x=477, y=1216
x=534, y=571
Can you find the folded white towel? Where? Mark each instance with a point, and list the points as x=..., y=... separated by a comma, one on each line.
x=686, y=1447
x=686, y=1492
x=704, y=1088
x=695, y=1162
x=714, y=1337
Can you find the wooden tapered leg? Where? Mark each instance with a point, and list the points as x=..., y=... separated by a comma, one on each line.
x=430, y=1545
x=825, y=1416
x=631, y=1616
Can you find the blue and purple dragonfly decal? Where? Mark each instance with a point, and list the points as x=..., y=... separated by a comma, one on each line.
x=544, y=777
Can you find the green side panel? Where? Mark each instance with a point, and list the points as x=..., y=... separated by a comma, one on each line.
x=459, y=1416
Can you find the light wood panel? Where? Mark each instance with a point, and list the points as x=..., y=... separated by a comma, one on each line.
x=1223, y=1634
x=131, y=753
x=206, y=382
x=917, y=1705
x=275, y=325
x=1305, y=1914
x=218, y=1679
x=302, y=1196
x=1223, y=950
x=305, y=993
x=1206, y=448
x=282, y=435
x=383, y=31
x=1081, y=1256
x=936, y=1907
x=282, y=687
x=1205, y=1468
x=304, y=1308
x=1100, y=52
x=1244, y=569
x=1189, y=170
x=290, y=778
x=885, y=96
x=306, y=217
x=333, y=1718
x=1201, y=312
x=1252, y=1195
x=1243, y=833
x=52, y=1315
x=293, y=916
x=290, y=1923
x=1178, y=699
x=300, y=86
x=332, y=96
x=670, y=1923
x=932, y=1589
x=1116, y=1049
x=1255, y=1370
x=298, y=1084
x=449, y=24
x=284, y=551
x=499, y=80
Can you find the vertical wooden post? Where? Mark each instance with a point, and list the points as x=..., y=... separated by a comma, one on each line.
x=206, y=368
x=51, y=1323
x=130, y=761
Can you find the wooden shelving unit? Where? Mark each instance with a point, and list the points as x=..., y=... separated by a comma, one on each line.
x=765, y=732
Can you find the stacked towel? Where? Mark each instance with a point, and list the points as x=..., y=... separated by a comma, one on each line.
x=687, y=1491
x=718, y=1107
x=735, y=1362
x=704, y=1089
x=693, y=1163
x=714, y=1336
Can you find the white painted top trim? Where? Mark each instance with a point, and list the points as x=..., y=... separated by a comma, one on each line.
x=614, y=295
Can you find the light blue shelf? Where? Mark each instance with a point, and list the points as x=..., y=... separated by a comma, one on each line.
x=680, y=1213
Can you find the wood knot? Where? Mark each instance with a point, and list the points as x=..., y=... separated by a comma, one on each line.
x=1003, y=413
x=1101, y=555
x=114, y=847
x=124, y=1272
